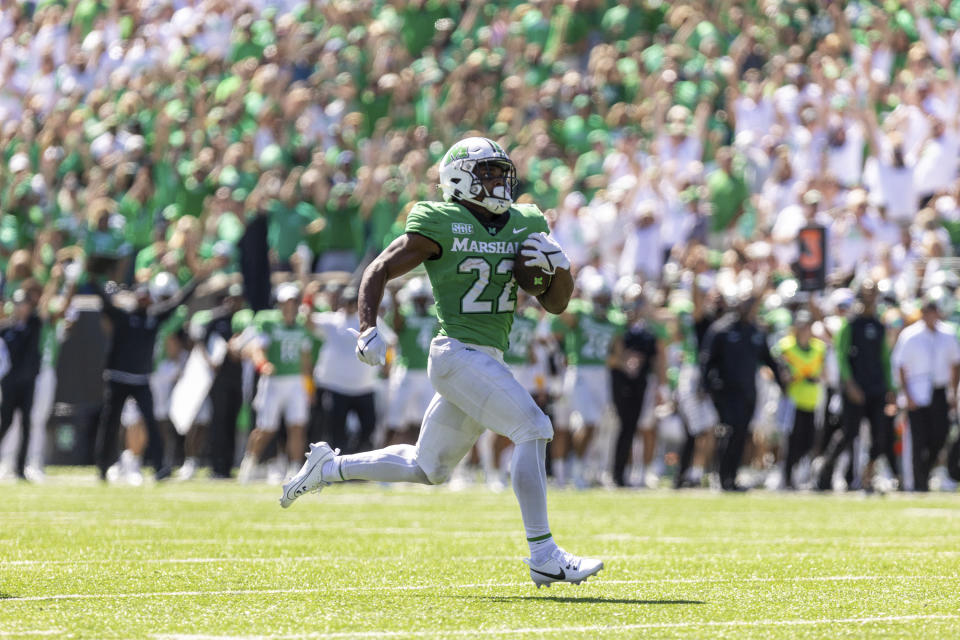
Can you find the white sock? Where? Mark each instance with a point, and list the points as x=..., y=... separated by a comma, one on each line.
x=560, y=471
x=577, y=466
x=695, y=474
x=485, y=449
x=397, y=463
x=529, y=476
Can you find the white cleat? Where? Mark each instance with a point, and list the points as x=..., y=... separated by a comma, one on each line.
x=188, y=470
x=309, y=478
x=563, y=567
x=34, y=473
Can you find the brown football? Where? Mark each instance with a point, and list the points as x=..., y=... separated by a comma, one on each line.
x=533, y=280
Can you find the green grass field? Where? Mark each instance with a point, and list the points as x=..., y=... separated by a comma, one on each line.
x=214, y=560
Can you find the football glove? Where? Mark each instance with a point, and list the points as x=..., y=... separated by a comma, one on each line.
x=371, y=349
x=540, y=250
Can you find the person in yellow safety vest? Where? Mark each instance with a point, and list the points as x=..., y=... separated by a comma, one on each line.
x=803, y=358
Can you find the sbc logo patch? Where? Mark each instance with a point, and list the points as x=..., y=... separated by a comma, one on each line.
x=462, y=227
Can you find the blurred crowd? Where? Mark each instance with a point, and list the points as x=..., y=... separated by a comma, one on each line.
x=680, y=147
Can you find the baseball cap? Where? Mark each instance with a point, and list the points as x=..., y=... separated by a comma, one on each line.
x=287, y=291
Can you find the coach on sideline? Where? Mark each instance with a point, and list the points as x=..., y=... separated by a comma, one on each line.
x=128, y=368
x=927, y=360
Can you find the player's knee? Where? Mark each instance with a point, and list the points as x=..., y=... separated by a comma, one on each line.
x=536, y=427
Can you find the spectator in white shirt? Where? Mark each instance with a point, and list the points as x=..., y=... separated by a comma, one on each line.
x=681, y=143
x=642, y=253
x=349, y=382
x=889, y=173
x=927, y=361
x=844, y=150
x=937, y=162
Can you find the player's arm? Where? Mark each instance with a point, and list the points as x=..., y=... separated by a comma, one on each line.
x=402, y=255
x=774, y=366
x=617, y=355
x=397, y=319
x=306, y=373
x=257, y=350
x=661, y=365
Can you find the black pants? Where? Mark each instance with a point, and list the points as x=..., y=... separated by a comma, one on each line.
x=115, y=394
x=881, y=430
x=735, y=410
x=17, y=396
x=339, y=406
x=799, y=444
x=686, y=454
x=832, y=423
x=226, y=398
x=628, y=401
x=321, y=405
x=928, y=433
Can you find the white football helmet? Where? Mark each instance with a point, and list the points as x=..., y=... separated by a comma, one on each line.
x=416, y=288
x=461, y=170
x=164, y=285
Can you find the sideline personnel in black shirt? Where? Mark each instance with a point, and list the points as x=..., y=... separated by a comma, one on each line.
x=733, y=349
x=128, y=369
x=21, y=334
x=226, y=393
x=634, y=354
x=863, y=358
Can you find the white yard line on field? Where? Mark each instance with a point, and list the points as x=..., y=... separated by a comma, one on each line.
x=444, y=586
x=447, y=633
x=395, y=558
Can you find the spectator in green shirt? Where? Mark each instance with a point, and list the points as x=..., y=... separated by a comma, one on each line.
x=728, y=192
x=340, y=241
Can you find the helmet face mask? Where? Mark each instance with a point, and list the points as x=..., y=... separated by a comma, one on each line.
x=470, y=163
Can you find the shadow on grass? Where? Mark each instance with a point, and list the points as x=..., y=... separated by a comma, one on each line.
x=6, y=596
x=570, y=599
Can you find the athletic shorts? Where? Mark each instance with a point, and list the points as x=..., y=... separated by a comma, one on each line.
x=281, y=396
x=475, y=391
x=695, y=407
x=648, y=414
x=588, y=393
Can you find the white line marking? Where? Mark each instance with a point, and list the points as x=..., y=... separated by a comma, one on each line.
x=446, y=633
x=444, y=586
x=395, y=558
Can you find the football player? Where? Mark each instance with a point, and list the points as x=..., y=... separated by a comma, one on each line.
x=468, y=245
x=410, y=393
x=588, y=330
x=282, y=356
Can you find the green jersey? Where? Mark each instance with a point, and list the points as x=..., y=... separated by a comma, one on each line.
x=414, y=338
x=588, y=342
x=472, y=278
x=522, y=334
x=51, y=335
x=283, y=344
x=241, y=320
